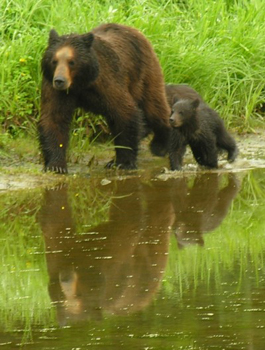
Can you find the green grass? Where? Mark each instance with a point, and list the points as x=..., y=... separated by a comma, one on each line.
x=217, y=47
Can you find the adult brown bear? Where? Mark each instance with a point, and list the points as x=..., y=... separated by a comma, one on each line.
x=112, y=71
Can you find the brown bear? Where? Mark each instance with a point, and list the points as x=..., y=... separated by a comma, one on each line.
x=111, y=71
x=195, y=124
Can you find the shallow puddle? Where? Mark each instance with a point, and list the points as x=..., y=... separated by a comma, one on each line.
x=145, y=261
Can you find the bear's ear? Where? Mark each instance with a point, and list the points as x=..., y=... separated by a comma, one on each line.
x=53, y=37
x=195, y=103
x=88, y=39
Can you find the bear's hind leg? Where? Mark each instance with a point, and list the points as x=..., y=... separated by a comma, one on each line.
x=157, y=112
x=226, y=141
x=205, y=152
x=159, y=144
x=177, y=149
x=232, y=154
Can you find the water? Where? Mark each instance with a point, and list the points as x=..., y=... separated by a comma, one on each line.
x=144, y=261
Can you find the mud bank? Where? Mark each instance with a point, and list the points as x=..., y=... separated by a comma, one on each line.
x=251, y=155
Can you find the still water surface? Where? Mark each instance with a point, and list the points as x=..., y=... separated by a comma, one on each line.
x=135, y=262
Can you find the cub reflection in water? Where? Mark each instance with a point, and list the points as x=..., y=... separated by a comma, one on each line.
x=206, y=204
x=115, y=267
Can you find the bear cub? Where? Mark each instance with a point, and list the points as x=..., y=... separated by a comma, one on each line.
x=195, y=124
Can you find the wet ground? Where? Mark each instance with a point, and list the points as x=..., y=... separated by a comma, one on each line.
x=143, y=260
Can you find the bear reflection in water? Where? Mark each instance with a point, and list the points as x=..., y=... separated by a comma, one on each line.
x=206, y=204
x=116, y=267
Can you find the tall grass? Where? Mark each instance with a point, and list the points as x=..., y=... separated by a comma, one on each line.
x=217, y=47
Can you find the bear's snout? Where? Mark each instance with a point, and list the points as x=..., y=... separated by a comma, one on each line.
x=60, y=83
x=171, y=120
x=175, y=122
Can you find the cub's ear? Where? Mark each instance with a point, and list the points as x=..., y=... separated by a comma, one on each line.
x=53, y=37
x=88, y=39
x=195, y=103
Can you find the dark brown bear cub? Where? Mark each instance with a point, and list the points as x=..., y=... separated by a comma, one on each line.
x=112, y=71
x=197, y=125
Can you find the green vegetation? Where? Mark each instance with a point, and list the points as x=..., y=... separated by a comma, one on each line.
x=217, y=47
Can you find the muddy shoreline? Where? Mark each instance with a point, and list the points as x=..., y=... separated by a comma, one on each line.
x=20, y=177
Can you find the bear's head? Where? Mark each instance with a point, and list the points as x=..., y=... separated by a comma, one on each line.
x=70, y=61
x=184, y=113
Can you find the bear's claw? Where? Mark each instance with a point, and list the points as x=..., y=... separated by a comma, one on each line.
x=56, y=169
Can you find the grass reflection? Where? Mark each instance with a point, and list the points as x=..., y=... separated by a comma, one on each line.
x=23, y=298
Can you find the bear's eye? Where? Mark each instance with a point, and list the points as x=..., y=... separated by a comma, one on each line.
x=181, y=112
x=54, y=62
x=71, y=63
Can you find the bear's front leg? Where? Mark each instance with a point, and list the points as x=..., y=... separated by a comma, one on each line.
x=53, y=128
x=53, y=143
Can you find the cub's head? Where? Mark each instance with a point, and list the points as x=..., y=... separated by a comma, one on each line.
x=69, y=60
x=184, y=113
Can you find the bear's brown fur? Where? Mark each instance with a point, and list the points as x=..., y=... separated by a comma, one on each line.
x=112, y=71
